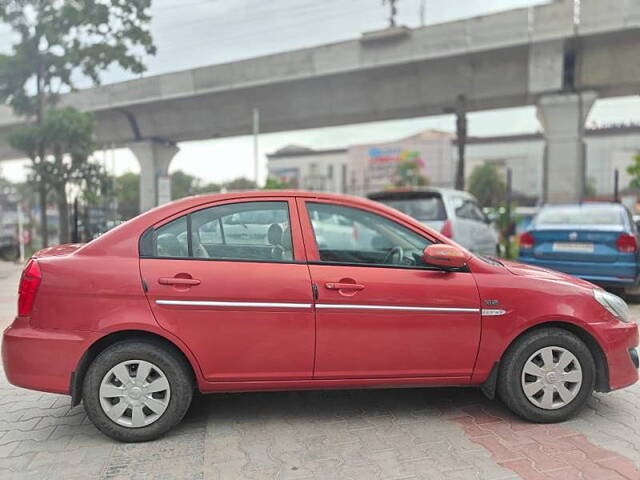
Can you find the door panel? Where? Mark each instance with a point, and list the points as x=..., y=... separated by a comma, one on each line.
x=396, y=320
x=240, y=294
x=232, y=339
x=402, y=322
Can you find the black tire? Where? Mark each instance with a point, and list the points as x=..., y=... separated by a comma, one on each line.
x=178, y=375
x=631, y=295
x=510, y=388
x=635, y=299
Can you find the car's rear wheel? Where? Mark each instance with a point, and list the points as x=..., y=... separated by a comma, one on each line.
x=136, y=391
x=547, y=375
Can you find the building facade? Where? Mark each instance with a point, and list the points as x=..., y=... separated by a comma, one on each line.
x=308, y=169
x=360, y=169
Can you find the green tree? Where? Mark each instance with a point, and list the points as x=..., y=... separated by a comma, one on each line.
x=487, y=185
x=211, y=187
x=183, y=185
x=186, y=185
x=634, y=171
x=408, y=175
x=276, y=184
x=64, y=141
x=127, y=190
x=590, y=190
x=240, y=183
x=61, y=41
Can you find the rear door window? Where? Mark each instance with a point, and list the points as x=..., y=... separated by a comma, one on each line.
x=249, y=231
x=425, y=209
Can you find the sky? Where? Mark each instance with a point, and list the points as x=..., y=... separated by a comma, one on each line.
x=192, y=33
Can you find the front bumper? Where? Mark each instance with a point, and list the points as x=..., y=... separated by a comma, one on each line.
x=620, y=341
x=42, y=359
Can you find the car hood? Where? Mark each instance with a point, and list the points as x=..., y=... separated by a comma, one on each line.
x=522, y=269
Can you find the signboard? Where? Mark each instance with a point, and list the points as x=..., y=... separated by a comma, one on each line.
x=290, y=176
x=383, y=162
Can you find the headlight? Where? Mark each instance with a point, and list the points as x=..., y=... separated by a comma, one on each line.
x=614, y=304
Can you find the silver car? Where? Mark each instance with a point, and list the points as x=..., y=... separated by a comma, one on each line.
x=454, y=213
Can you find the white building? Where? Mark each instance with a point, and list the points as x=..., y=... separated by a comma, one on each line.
x=359, y=169
x=608, y=149
x=308, y=169
x=363, y=168
x=374, y=167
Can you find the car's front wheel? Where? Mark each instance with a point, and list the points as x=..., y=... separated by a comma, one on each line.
x=136, y=391
x=547, y=375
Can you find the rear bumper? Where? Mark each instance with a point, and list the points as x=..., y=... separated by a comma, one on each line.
x=42, y=359
x=620, y=342
x=618, y=274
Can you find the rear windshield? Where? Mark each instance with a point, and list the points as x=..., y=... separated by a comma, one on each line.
x=580, y=215
x=427, y=209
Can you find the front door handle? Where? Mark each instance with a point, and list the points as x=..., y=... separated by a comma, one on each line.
x=344, y=286
x=184, y=282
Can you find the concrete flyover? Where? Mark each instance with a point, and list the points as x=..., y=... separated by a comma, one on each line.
x=539, y=56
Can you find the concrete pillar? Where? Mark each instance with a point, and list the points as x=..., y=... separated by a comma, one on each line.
x=155, y=183
x=563, y=117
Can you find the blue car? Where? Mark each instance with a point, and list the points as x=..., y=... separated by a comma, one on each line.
x=594, y=241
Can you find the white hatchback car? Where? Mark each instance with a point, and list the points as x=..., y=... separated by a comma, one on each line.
x=454, y=213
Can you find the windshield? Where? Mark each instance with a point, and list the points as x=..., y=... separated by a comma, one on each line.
x=429, y=209
x=580, y=215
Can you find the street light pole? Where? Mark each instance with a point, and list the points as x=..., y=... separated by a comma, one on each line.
x=461, y=134
x=20, y=233
x=256, y=146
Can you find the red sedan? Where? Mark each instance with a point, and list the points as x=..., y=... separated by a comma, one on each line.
x=294, y=290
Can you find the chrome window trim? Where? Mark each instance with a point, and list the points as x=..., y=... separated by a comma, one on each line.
x=199, y=303
x=397, y=307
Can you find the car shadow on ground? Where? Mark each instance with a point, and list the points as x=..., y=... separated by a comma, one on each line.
x=299, y=407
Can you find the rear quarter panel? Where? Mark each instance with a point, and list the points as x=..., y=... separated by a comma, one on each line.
x=89, y=293
x=96, y=294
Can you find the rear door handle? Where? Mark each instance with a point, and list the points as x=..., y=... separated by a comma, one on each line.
x=179, y=281
x=344, y=286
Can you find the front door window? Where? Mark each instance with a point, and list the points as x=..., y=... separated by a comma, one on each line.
x=353, y=236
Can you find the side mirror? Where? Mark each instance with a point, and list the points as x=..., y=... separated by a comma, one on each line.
x=443, y=255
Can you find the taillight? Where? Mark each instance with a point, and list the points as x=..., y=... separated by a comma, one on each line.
x=627, y=243
x=447, y=229
x=527, y=241
x=29, y=283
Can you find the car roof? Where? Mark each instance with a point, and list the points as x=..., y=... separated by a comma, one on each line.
x=194, y=201
x=124, y=238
